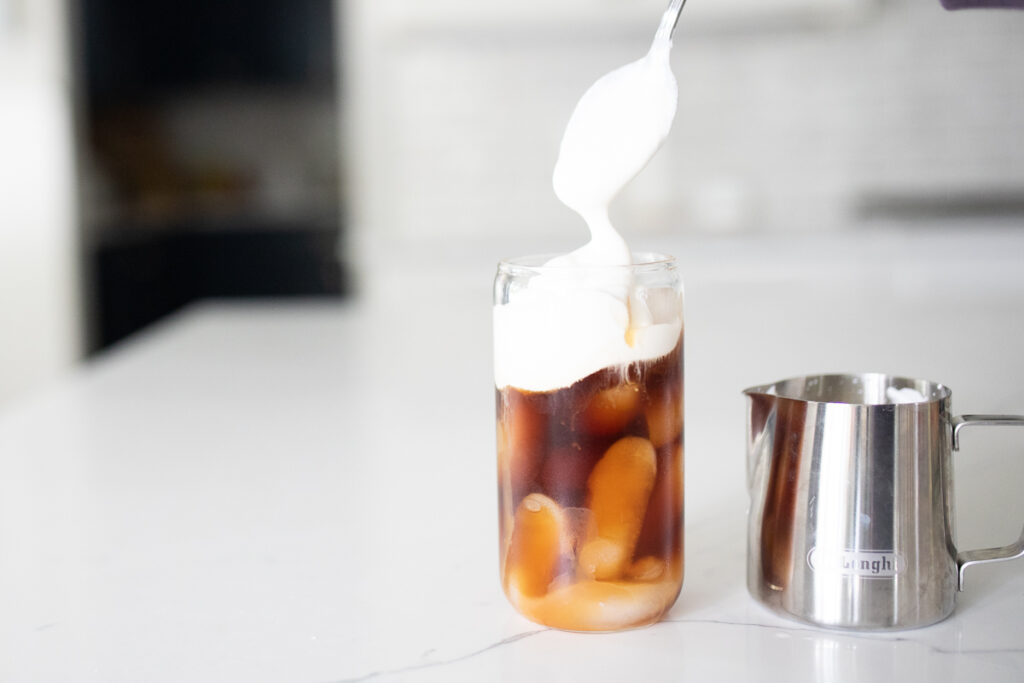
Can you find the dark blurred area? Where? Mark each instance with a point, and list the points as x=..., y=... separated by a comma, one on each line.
x=209, y=155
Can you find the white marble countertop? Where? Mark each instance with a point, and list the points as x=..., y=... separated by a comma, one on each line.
x=305, y=491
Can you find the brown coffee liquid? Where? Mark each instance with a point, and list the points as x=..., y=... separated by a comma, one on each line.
x=590, y=492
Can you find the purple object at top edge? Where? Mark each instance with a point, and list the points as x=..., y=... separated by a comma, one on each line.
x=978, y=4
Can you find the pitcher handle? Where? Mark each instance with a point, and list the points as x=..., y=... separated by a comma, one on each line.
x=966, y=558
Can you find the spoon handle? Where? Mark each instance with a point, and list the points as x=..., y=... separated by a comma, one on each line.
x=669, y=20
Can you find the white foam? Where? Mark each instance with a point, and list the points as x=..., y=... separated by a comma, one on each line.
x=550, y=338
x=906, y=395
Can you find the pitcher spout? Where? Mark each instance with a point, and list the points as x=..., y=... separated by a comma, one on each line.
x=761, y=405
x=767, y=390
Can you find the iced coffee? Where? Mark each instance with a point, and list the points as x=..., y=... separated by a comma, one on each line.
x=590, y=467
x=588, y=350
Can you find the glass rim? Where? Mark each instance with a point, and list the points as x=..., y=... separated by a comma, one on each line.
x=536, y=263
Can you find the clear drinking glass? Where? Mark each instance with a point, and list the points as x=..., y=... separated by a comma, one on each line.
x=590, y=469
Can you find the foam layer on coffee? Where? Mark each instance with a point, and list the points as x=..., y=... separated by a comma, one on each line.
x=549, y=338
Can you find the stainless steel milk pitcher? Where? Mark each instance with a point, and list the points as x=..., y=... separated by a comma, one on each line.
x=851, y=512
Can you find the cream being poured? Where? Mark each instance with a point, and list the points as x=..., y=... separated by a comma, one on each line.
x=615, y=130
x=578, y=315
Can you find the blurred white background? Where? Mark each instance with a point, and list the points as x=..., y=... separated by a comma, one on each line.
x=794, y=116
x=828, y=122
x=40, y=309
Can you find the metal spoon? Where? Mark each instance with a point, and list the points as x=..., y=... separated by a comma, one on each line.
x=669, y=20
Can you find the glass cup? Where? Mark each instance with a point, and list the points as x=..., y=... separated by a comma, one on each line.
x=589, y=381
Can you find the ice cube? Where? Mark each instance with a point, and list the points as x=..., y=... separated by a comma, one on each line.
x=662, y=529
x=539, y=539
x=602, y=605
x=664, y=413
x=602, y=559
x=579, y=523
x=647, y=568
x=618, y=490
x=522, y=439
x=610, y=410
x=564, y=472
x=664, y=304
